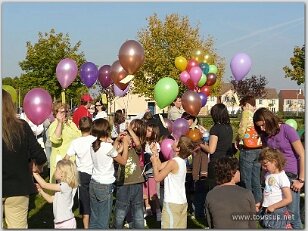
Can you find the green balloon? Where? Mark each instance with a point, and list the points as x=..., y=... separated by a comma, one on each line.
x=213, y=69
x=165, y=92
x=292, y=123
x=12, y=92
x=202, y=80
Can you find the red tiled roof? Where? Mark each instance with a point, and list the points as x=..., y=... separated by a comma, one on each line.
x=291, y=94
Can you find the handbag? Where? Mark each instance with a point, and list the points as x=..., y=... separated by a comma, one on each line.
x=251, y=138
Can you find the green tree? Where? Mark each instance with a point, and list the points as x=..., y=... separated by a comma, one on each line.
x=297, y=72
x=41, y=61
x=254, y=85
x=163, y=41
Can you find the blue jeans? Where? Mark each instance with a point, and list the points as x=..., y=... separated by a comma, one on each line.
x=101, y=204
x=294, y=208
x=250, y=169
x=199, y=198
x=129, y=196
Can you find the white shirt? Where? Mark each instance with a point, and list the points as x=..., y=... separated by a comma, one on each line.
x=81, y=147
x=273, y=187
x=174, y=184
x=103, y=171
x=114, y=133
x=101, y=115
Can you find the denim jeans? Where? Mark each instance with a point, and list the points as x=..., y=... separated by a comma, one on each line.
x=294, y=208
x=250, y=169
x=101, y=204
x=129, y=196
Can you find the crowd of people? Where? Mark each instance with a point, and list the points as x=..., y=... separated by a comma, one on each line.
x=118, y=169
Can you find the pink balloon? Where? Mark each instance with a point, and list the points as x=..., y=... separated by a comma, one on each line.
x=195, y=74
x=37, y=105
x=66, y=72
x=118, y=92
x=180, y=127
x=166, y=148
x=184, y=76
x=240, y=66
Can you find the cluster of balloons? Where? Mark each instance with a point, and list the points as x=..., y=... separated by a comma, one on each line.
x=240, y=66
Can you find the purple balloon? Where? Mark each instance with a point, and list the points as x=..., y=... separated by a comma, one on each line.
x=203, y=98
x=66, y=72
x=180, y=127
x=104, y=76
x=169, y=124
x=240, y=66
x=166, y=148
x=88, y=73
x=118, y=92
x=37, y=105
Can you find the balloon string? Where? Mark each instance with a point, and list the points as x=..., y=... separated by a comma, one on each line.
x=63, y=96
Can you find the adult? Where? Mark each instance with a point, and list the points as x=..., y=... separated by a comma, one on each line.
x=176, y=110
x=278, y=135
x=228, y=200
x=83, y=109
x=100, y=111
x=20, y=151
x=250, y=166
x=61, y=133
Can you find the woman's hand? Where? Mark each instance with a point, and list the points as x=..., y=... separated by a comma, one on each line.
x=296, y=186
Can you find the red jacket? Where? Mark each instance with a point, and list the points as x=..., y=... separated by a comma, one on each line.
x=80, y=112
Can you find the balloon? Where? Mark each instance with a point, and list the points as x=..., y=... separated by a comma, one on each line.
x=190, y=84
x=66, y=72
x=194, y=134
x=37, y=105
x=184, y=76
x=88, y=73
x=207, y=58
x=206, y=136
x=211, y=79
x=191, y=63
x=202, y=80
x=169, y=124
x=166, y=148
x=292, y=123
x=213, y=69
x=165, y=92
x=131, y=56
x=197, y=54
x=118, y=73
x=204, y=67
x=118, y=92
x=195, y=74
x=180, y=63
x=203, y=98
x=240, y=66
x=11, y=90
x=104, y=76
x=191, y=102
x=180, y=127
x=206, y=90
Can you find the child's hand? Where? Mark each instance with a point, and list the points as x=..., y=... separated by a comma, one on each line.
x=153, y=148
x=258, y=206
x=126, y=139
x=38, y=187
x=270, y=209
x=154, y=159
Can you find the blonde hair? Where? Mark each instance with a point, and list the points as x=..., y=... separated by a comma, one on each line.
x=273, y=155
x=70, y=174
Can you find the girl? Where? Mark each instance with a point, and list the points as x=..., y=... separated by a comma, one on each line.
x=173, y=172
x=63, y=200
x=277, y=193
x=100, y=111
x=118, y=123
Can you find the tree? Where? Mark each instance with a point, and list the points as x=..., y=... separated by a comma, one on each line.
x=253, y=86
x=163, y=41
x=297, y=72
x=41, y=62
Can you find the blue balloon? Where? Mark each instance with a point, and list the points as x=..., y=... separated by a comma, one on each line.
x=203, y=98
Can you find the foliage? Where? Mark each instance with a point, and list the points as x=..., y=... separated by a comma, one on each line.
x=163, y=41
x=254, y=85
x=297, y=72
x=41, y=61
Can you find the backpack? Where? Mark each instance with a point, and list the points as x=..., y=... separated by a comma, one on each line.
x=251, y=138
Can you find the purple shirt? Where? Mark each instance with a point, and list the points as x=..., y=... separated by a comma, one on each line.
x=283, y=142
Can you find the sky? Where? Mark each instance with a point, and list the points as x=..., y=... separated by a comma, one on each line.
x=266, y=31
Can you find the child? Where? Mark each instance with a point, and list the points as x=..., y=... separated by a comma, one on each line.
x=149, y=187
x=118, y=123
x=277, y=192
x=173, y=172
x=81, y=148
x=101, y=184
x=67, y=176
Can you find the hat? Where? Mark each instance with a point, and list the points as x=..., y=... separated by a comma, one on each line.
x=86, y=98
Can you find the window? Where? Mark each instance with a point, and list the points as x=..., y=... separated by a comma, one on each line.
x=151, y=107
x=260, y=101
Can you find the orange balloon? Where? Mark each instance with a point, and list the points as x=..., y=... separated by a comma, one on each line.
x=194, y=134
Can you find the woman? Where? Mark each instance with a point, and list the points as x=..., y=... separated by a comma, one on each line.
x=278, y=135
x=100, y=111
x=20, y=151
x=61, y=133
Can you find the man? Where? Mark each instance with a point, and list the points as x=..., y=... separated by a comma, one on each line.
x=83, y=109
x=176, y=110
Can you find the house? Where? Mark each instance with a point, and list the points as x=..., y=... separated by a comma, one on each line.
x=291, y=101
x=270, y=100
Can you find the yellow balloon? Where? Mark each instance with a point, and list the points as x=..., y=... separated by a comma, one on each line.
x=209, y=59
x=12, y=92
x=197, y=54
x=180, y=63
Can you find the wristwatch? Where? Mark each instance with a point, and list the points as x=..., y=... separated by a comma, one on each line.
x=300, y=180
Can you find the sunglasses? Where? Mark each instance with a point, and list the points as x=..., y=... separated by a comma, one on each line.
x=96, y=105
